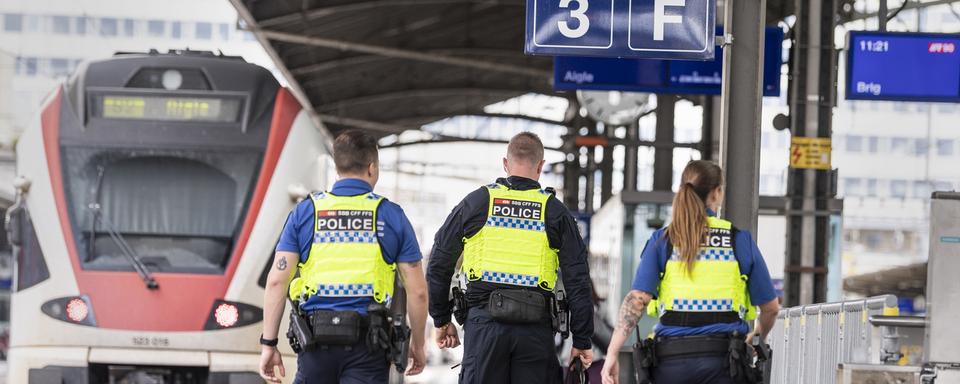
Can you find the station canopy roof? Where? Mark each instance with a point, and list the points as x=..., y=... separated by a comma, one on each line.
x=388, y=66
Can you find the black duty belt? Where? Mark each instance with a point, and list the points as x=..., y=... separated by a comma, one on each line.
x=697, y=319
x=689, y=346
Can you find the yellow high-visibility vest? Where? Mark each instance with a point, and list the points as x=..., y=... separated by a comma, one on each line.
x=345, y=259
x=715, y=284
x=512, y=247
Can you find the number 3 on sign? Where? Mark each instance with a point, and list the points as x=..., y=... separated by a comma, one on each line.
x=583, y=23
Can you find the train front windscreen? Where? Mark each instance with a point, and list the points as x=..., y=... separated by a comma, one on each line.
x=160, y=178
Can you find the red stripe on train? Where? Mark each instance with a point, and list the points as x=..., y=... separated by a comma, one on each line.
x=120, y=300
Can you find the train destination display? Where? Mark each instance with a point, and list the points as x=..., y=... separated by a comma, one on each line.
x=903, y=66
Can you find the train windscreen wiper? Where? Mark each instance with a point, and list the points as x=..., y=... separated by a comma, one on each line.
x=125, y=248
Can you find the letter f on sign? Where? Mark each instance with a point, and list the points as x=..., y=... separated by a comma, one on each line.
x=660, y=18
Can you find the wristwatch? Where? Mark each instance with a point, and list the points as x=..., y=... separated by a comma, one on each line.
x=269, y=343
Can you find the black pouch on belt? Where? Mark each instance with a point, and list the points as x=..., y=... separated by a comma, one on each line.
x=517, y=306
x=336, y=328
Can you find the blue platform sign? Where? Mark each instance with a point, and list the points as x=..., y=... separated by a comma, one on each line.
x=664, y=29
x=663, y=76
x=902, y=66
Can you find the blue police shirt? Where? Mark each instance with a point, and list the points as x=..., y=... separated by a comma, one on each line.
x=398, y=242
x=654, y=261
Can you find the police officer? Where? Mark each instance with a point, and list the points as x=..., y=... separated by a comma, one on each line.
x=347, y=245
x=701, y=276
x=512, y=235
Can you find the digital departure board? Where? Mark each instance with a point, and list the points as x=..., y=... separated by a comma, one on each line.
x=168, y=108
x=903, y=66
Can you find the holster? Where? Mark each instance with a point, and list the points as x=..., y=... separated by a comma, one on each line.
x=459, y=305
x=389, y=333
x=644, y=360
x=517, y=306
x=300, y=335
x=742, y=367
x=560, y=309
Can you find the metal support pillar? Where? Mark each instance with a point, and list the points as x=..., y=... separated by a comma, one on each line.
x=606, y=167
x=571, y=170
x=590, y=167
x=882, y=16
x=706, y=129
x=630, y=157
x=663, y=153
x=740, y=110
x=812, y=92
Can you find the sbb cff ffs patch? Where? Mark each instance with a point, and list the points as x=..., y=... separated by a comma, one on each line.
x=344, y=220
x=519, y=209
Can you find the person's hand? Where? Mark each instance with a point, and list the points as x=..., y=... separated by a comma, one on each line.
x=269, y=362
x=585, y=355
x=610, y=374
x=749, y=342
x=447, y=336
x=418, y=360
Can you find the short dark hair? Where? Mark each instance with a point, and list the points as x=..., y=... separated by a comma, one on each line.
x=353, y=151
x=525, y=146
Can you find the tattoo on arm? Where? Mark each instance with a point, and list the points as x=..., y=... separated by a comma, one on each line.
x=281, y=263
x=632, y=310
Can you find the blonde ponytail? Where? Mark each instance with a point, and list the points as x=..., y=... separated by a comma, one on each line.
x=688, y=226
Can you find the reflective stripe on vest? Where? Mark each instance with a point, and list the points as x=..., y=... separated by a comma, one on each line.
x=345, y=259
x=715, y=284
x=512, y=247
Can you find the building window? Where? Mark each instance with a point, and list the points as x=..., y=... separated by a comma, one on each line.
x=225, y=31
x=59, y=67
x=920, y=147
x=204, y=31
x=852, y=187
x=32, y=23
x=108, y=26
x=61, y=25
x=947, y=107
x=898, y=145
x=175, y=29
x=27, y=66
x=898, y=188
x=942, y=186
x=81, y=23
x=900, y=106
x=871, y=188
x=921, y=189
x=12, y=22
x=156, y=28
x=248, y=36
x=873, y=144
x=944, y=147
x=854, y=143
x=128, y=27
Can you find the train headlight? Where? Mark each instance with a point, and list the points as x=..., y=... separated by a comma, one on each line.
x=229, y=314
x=77, y=310
x=226, y=315
x=171, y=79
x=71, y=309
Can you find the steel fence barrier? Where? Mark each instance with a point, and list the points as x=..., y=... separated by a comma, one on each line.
x=810, y=341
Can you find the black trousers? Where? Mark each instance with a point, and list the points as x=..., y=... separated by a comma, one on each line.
x=693, y=370
x=338, y=364
x=507, y=353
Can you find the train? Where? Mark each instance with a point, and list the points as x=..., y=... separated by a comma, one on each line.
x=151, y=191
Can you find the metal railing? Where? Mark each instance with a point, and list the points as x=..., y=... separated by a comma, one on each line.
x=810, y=341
